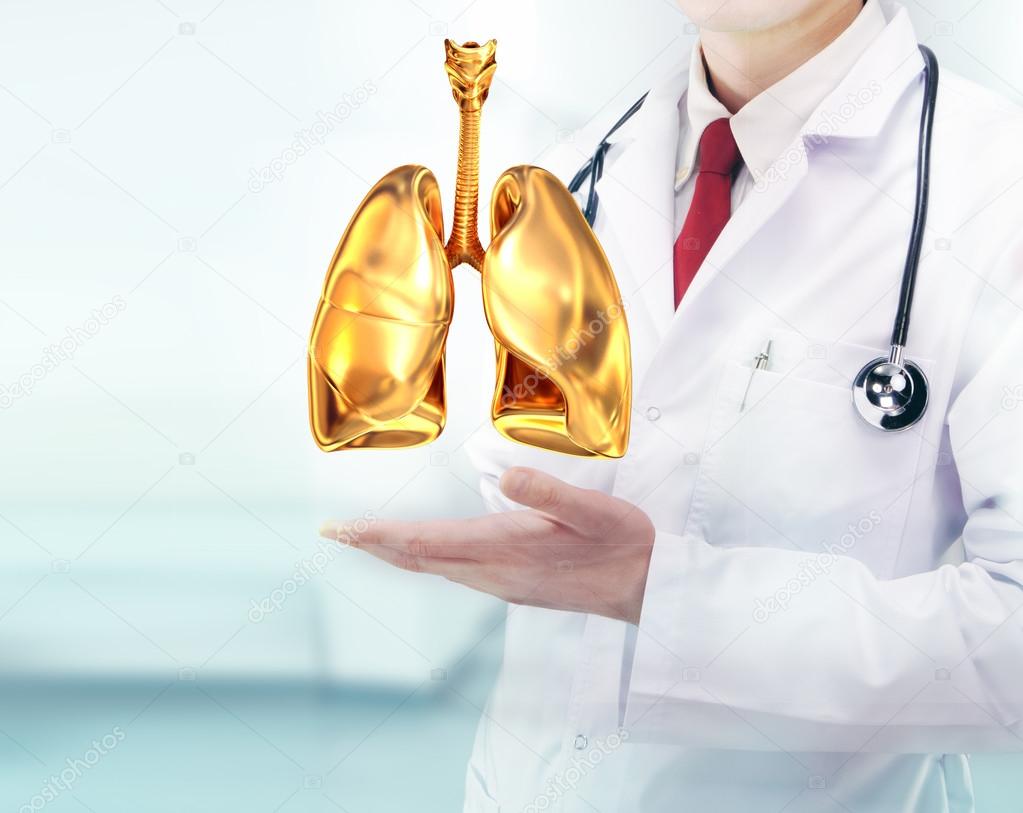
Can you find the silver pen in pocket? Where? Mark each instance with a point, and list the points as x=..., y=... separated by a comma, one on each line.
x=759, y=363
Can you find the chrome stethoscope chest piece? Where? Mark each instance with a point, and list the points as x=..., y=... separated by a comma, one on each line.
x=889, y=395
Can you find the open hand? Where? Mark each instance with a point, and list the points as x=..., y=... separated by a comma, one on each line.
x=574, y=549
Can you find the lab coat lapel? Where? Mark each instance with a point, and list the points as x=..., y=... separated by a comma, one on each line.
x=637, y=201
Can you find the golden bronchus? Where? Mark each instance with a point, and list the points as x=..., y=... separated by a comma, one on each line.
x=376, y=354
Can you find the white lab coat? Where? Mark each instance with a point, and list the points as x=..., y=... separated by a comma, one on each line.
x=831, y=615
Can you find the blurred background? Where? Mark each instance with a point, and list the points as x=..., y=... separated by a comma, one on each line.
x=174, y=177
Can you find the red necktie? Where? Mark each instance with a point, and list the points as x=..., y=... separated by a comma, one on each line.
x=712, y=203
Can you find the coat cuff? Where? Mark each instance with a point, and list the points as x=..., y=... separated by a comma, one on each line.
x=657, y=667
x=680, y=631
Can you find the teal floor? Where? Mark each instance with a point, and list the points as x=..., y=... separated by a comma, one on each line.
x=192, y=747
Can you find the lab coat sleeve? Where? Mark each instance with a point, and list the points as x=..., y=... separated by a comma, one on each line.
x=846, y=661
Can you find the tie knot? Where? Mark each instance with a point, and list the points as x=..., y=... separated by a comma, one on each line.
x=718, y=151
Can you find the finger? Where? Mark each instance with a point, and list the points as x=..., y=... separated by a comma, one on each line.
x=461, y=570
x=344, y=531
x=535, y=489
x=442, y=539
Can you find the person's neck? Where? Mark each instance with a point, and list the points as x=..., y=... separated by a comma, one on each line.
x=742, y=64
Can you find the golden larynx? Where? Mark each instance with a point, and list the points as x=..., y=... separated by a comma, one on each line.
x=376, y=354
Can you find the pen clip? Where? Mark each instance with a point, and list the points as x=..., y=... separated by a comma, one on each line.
x=760, y=361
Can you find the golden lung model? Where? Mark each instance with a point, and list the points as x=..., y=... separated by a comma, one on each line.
x=376, y=355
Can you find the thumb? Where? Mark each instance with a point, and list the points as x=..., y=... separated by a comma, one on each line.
x=535, y=489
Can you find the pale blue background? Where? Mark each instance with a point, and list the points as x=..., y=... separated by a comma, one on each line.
x=163, y=479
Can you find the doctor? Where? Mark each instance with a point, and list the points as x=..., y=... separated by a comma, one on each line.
x=768, y=604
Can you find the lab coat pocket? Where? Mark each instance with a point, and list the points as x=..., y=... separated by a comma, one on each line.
x=796, y=467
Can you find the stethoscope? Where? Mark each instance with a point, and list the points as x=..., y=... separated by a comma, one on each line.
x=889, y=392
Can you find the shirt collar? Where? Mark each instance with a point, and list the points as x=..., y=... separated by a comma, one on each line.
x=766, y=125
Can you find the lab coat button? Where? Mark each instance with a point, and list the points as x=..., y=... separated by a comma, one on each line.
x=581, y=742
x=653, y=413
